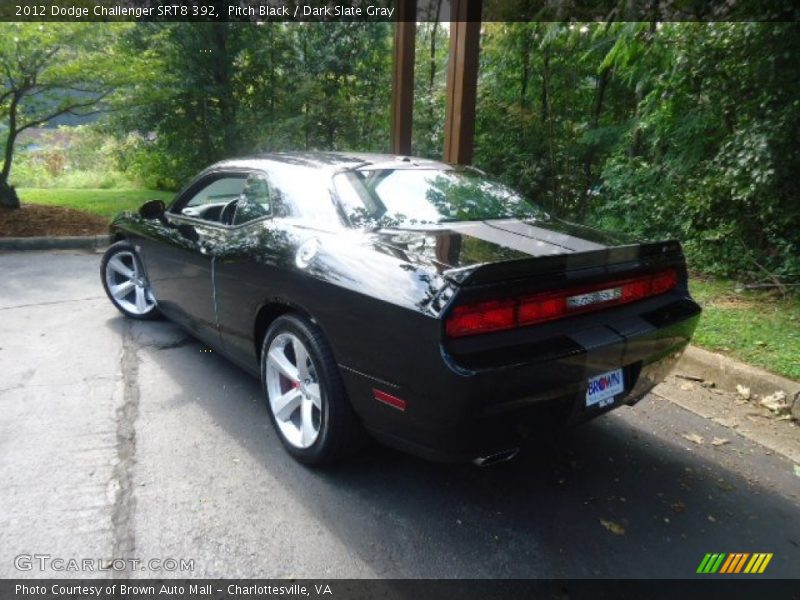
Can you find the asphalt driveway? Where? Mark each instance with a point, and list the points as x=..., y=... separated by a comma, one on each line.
x=131, y=440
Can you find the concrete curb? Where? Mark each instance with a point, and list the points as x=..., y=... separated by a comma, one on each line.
x=54, y=243
x=727, y=373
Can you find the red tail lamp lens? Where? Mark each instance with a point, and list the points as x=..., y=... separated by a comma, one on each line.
x=497, y=315
x=636, y=290
x=532, y=310
x=485, y=316
x=664, y=282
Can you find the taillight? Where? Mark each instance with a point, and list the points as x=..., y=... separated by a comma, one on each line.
x=498, y=315
x=484, y=316
x=664, y=282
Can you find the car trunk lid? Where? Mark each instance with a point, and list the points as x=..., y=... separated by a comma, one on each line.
x=503, y=251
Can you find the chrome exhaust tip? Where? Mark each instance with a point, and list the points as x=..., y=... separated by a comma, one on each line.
x=495, y=458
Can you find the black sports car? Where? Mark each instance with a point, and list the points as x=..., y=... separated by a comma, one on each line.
x=420, y=303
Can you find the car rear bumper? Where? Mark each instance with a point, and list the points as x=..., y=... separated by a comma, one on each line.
x=452, y=414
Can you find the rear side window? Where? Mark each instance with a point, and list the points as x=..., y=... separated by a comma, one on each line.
x=303, y=193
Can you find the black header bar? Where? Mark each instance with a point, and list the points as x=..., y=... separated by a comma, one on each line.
x=731, y=588
x=263, y=11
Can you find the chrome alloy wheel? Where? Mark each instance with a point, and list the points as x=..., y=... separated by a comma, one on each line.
x=293, y=390
x=127, y=284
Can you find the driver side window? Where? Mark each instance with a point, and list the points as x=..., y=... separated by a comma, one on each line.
x=207, y=204
x=255, y=200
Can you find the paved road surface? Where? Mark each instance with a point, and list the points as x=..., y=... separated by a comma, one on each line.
x=128, y=440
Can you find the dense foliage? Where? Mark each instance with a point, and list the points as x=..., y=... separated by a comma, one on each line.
x=223, y=90
x=678, y=129
x=685, y=130
x=70, y=157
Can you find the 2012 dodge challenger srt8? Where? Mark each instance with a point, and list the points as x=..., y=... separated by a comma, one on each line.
x=420, y=303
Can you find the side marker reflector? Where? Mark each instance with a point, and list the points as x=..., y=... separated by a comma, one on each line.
x=392, y=401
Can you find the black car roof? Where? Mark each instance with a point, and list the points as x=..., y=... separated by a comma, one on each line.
x=332, y=161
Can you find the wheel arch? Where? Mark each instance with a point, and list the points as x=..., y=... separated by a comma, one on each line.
x=266, y=315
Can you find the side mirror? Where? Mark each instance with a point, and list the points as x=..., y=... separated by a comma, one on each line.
x=152, y=209
x=189, y=232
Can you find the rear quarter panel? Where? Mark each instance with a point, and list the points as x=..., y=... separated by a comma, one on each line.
x=374, y=308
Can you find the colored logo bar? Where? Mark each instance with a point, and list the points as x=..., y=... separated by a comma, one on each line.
x=735, y=562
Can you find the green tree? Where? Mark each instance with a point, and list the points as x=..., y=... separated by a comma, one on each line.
x=685, y=130
x=49, y=71
x=231, y=89
x=711, y=153
x=430, y=72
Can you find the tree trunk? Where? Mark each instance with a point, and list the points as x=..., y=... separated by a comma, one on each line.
x=547, y=118
x=11, y=138
x=602, y=84
x=223, y=58
x=432, y=65
x=8, y=195
x=526, y=65
x=636, y=142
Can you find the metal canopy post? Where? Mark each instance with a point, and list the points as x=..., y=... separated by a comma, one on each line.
x=403, y=76
x=462, y=80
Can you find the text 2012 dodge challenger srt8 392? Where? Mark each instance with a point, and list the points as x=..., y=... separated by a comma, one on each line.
x=420, y=303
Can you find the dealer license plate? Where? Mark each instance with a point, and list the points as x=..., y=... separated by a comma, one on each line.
x=602, y=388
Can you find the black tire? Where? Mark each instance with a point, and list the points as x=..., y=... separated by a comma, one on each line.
x=126, y=252
x=340, y=431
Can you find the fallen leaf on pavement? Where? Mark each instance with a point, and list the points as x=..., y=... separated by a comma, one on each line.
x=613, y=527
x=678, y=507
x=725, y=486
x=743, y=391
x=720, y=441
x=797, y=470
x=776, y=402
x=693, y=437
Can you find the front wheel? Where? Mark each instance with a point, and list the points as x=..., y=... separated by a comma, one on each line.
x=125, y=282
x=305, y=395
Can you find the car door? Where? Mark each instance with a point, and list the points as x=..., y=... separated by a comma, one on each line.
x=245, y=266
x=263, y=260
x=180, y=264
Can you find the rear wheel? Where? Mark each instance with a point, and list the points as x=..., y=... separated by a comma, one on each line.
x=305, y=395
x=125, y=282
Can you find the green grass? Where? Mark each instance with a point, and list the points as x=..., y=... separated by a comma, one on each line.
x=106, y=203
x=756, y=327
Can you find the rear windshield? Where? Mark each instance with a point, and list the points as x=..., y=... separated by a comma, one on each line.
x=403, y=197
